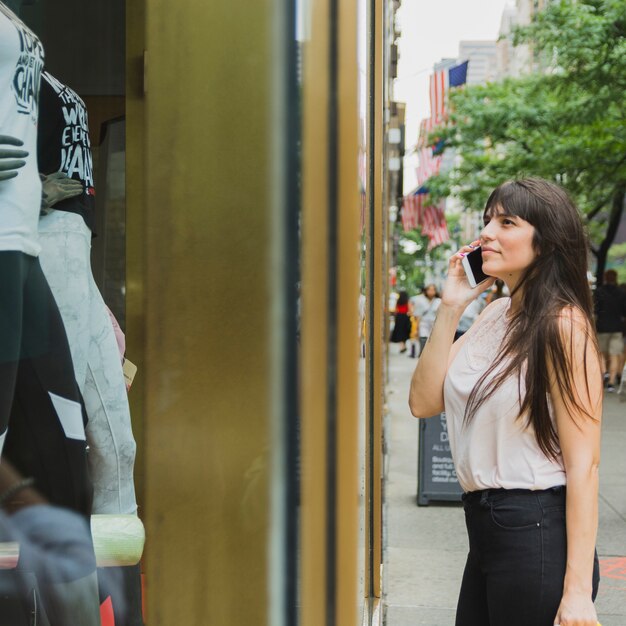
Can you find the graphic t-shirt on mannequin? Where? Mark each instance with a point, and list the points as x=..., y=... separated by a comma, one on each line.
x=63, y=143
x=21, y=64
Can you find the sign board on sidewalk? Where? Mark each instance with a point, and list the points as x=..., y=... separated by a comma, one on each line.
x=436, y=477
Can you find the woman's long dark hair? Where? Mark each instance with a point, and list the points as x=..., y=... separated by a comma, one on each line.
x=554, y=284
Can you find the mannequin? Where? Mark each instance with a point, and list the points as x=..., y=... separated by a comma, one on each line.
x=11, y=159
x=42, y=416
x=34, y=356
x=65, y=233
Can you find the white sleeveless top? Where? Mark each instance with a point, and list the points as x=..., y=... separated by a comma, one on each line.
x=21, y=63
x=496, y=449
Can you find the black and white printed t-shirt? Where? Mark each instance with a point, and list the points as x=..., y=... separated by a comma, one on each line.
x=63, y=143
x=21, y=64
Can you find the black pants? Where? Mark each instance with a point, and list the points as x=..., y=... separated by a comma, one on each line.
x=35, y=362
x=517, y=555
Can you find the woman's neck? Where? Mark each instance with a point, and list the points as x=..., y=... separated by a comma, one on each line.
x=516, y=300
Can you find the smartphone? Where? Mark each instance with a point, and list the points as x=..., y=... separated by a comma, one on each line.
x=473, y=266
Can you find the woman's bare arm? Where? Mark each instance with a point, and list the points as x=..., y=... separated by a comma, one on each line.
x=579, y=437
x=426, y=394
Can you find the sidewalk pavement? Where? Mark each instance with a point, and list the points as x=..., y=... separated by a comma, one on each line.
x=426, y=547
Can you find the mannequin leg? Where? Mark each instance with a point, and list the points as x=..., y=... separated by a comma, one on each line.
x=109, y=430
x=65, y=248
x=14, y=607
x=112, y=457
x=66, y=243
x=11, y=307
x=65, y=256
x=46, y=437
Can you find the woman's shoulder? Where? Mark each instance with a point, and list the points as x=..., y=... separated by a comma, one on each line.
x=485, y=333
x=495, y=307
x=572, y=321
x=490, y=319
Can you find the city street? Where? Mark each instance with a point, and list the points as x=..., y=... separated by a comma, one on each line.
x=426, y=547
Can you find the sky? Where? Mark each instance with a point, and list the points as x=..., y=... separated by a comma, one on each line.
x=431, y=30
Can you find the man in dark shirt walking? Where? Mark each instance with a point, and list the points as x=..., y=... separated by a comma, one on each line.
x=610, y=308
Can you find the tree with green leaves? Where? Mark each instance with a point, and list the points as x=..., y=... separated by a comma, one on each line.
x=566, y=122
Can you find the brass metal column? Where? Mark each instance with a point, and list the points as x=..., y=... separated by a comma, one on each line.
x=207, y=304
x=330, y=291
x=376, y=333
x=135, y=186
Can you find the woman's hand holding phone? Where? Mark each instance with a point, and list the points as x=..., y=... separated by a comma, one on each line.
x=473, y=265
x=457, y=291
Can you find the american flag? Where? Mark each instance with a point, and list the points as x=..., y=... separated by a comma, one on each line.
x=412, y=211
x=435, y=225
x=428, y=165
x=426, y=127
x=440, y=83
x=418, y=211
x=438, y=88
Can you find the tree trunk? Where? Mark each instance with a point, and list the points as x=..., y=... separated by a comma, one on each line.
x=615, y=217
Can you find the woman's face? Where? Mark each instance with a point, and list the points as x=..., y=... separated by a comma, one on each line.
x=430, y=291
x=506, y=246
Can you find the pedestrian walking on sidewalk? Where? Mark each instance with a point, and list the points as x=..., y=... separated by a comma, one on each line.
x=522, y=391
x=402, y=323
x=610, y=310
x=425, y=310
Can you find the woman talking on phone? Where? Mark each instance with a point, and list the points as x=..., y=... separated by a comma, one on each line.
x=522, y=391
